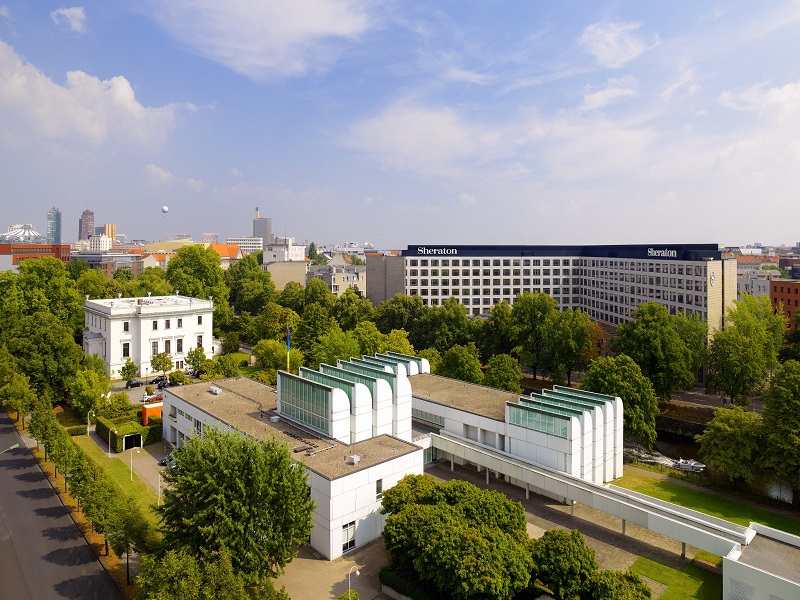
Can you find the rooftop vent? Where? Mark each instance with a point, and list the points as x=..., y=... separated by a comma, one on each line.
x=215, y=390
x=302, y=448
x=274, y=418
x=355, y=459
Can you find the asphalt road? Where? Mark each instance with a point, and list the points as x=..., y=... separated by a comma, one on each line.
x=42, y=552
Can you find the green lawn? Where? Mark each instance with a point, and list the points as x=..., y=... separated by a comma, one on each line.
x=707, y=503
x=119, y=470
x=689, y=582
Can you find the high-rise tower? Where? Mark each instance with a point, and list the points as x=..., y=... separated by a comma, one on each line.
x=86, y=225
x=262, y=228
x=54, y=226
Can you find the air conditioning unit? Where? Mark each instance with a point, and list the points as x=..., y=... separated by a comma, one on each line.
x=215, y=390
x=355, y=459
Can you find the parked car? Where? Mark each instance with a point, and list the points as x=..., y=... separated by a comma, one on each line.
x=134, y=383
x=163, y=384
x=168, y=461
x=157, y=379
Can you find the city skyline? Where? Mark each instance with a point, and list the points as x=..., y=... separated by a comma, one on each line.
x=406, y=123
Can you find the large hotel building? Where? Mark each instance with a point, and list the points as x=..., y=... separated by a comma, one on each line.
x=608, y=282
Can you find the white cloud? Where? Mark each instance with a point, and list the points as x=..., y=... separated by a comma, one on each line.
x=613, y=90
x=257, y=38
x=4, y=12
x=467, y=199
x=156, y=175
x=195, y=185
x=456, y=74
x=613, y=44
x=428, y=140
x=778, y=103
x=74, y=19
x=36, y=109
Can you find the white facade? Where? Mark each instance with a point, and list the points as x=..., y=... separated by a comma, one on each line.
x=119, y=329
x=347, y=480
x=575, y=432
x=284, y=249
x=756, y=282
x=247, y=245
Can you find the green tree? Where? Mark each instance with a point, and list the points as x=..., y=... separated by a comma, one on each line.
x=316, y=323
x=129, y=371
x=503, y=373
x=499, y=334
x=782, y=424
x=731, y=445
x=224, y=366
x=272, y=322
x=350, y=309
x=334, y=345
x=271, y=355
x=737, y=365
x=195, y=271
x=462, y=362
x=128, y=531
x=562, y=562
x=434, y=358
x=370, y=340
x=396, y=341
x=292, y=296
x=693, y=330
x=76, y=267
x=153, y=280
x=45, y=284
x=92, y=283
x=251, y=287
x=88, y=387
x=534, y=314
x=399, y=312
x=466, y=541
x=16, y=394
x=45, y=351
x=441, y=327
x=570, y=338
x=654, y=344
x=791, y=348
x=161, y=362
x=316, y=291
x=230, y=345
x=755, y=318
x=620, y=376
x=246, y=495
x=196, y=359
x=615, y=585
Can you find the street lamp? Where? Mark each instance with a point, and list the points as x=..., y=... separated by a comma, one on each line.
x=114, y=429
x=137, y=452
x=348, y=579
x=9, y=448
x=159, y=488
x=89, y=421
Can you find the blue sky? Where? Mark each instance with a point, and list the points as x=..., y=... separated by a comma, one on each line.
x=406, y=122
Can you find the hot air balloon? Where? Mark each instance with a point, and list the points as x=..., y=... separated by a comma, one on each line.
x=165, y=209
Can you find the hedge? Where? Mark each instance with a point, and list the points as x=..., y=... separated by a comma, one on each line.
x=124, y=427
x=152, y=433
x=74, y=430
x=407, y=586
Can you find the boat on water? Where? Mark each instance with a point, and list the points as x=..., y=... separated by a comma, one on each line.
x=688, y=464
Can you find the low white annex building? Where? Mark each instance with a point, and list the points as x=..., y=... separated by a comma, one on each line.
x=328, y=429
x=119, y=329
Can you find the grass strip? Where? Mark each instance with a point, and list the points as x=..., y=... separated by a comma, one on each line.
x=689, y=582
x=705, y=502
x=120, y=473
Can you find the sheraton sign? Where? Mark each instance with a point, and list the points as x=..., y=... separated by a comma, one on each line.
x=443, y=251
x=662, y=253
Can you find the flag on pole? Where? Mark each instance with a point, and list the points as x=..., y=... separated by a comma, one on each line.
x=288, y=347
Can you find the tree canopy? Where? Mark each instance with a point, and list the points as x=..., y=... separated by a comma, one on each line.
x=732, y=444
x=461, y=362
x=620, y=376
x=230, y=490
x=782, y=425
x=534, y=314
x=653, y=342
x=503, y=373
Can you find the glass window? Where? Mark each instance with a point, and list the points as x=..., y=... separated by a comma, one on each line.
x=379, y=489
x=180, y=323
x=155, y=325
x=199, y=341
x=167, y=346
x=126, y=350
x=154, y=348
x=199, y=319
x=125, y=326
x=348, y=536
x=179, y=345
x=166, y=324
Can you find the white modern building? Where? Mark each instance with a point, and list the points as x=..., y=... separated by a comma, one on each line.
x=247, y=245
x=284, y=249
x=119, y=329
x=347, y=478
x=608, y=282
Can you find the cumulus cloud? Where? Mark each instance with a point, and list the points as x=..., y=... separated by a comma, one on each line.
x=4, y=12
x=36, y=109
x=428, y=140
x=467, y=199
x=616, y=43
x=256, y=38
x=74, y=19
x=156, y=175
x=195, y=185
x=613, y=90
x=778, y=103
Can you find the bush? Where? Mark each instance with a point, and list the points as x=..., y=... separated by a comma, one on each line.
x=152, y=433
x=76, y=430
x=406, y=584
x=349, y=595
x=176, y=378
x=148, y=389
